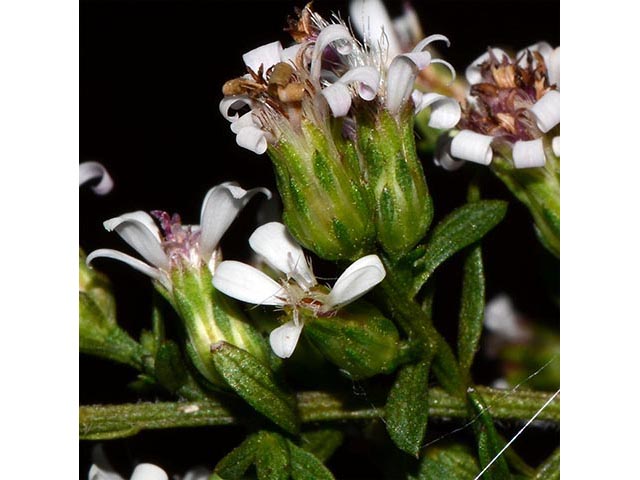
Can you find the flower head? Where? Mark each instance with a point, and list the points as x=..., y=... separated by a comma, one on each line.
x=296, y=290
x=513, y=104
x=178, y=245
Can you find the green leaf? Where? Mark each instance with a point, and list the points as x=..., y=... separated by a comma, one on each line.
x=255, y=383
x=408, y=407
x=305, y=466
x=471, y=308
x=272, y=457
x=550, y=468
x=450, y=462
x=169, y=367
x=237, y=462
x=322, y=443
x=459, y=229
x=489, y=441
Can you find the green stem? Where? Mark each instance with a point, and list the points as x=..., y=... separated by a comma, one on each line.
x=102, y=422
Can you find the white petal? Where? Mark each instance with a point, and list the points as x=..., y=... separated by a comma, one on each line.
x=284, y=339
x=94, y=170
x=371, y=20
x=338, y=96
x=233, y=104
x=473, y=71
x=422, y=44
x=248, y=284
x=449, y=66
x=97, y=473
x=401, y=76
x=139, y=265
x=282, y=252
x=328, y=35
x=527, y=154
x=547, y=110
x=445, y=111
x=139, y=230
x=361, y=276
x=220, y=208
x=148, y=471
x=290, y=53
x=553, y=67
x=442, y=156
x=246, y=120
x=266, y=55
x=198, y=473
x=473, y=147
x=543, y=48
x=367, y=79
x=555, y=145
x=253, y=138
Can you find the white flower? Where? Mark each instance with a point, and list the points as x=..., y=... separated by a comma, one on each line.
x=144, y=471
x=296, y=288
x=512, y=103
x=95, y=171
x=195, y=244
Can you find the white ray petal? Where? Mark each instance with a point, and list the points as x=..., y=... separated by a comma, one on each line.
x=97, y=473
x=290, y=53
x=246, y=120
x=422, y=44
x=529, y=153
x=445, y=111
x=248, y=284
x=449, y=67
x=338, y=96
x=252, y=138
x=220, y=208
x=330, y=34
x=371, y=20
x=555, y=145
x=401, y=76
x=95, y=170
x=367, y=79
x=140, y=231
x=553, y=67
x=442, y=156
x=361, y=276
x=233, y=104
x=284, y=339
x=543, y=48
x=265, y=55
x=282, y=252
x=148, y=471
x=473, y=71
x=133, y=262
x=473, y=147
x=547, y=111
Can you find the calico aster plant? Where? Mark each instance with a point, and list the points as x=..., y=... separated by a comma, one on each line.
x=334, y=108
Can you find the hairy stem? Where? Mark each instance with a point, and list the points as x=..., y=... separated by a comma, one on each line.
x=101, y=422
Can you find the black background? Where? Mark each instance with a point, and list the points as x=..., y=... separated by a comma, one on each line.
x=151, y=74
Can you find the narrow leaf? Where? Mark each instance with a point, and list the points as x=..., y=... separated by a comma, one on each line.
x=489, y=441
x=459, y=229
x=451, y=462
x=237, y=462
x=550, y=468
x=471, y=308
x=169, y=367
x=272, y=457
x=305, y=466
x=408, y=407
x=322, y=443
x=255, y=383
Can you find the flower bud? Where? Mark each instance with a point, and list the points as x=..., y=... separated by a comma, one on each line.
x=403, y=206
x=326, y=205
x=358, y=339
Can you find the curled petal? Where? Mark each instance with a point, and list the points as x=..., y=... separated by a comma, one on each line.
x=233, y=104
x=282, y=252
x=445, y=111
x=422, y=44
x=367, y=79
x=473, y=147
x=220, y=207
x=92, y=171
x=555, y=145
x=97, y=473
x=528, y=154
x=338, y=97
x=553, y=67
x=547, y=111
x=265, y=55
x=284, y=339
x=401, y=77
x=139, y=230
x=148, y=471
x=473, y=71
x=371, y=20
x=248, y=284
x=448, y=65
x=328, y=35
x=543, y=48
x=361, y=276
x=253, y=138
x=246, y=120
x=136, y=264
x=442, y=156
